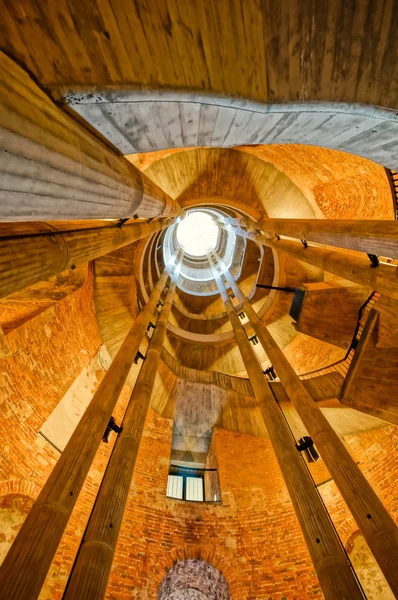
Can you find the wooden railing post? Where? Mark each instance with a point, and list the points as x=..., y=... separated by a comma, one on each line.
x=90, y=572
x=25, y=566
x=374, y=521
x=334, y=572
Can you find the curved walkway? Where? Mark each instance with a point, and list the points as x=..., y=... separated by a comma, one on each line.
x=145, y=121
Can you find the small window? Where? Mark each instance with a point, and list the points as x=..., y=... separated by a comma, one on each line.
x=186, y=483
x=175, y=486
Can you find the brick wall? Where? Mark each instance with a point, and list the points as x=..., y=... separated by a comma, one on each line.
x=375, y=452
x=46, y=355
x=253, y=538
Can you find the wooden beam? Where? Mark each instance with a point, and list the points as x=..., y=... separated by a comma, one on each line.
x=335, y=575
x=371, y=237
x=383, y=278
x=52, y=167
x=374, y=521
x=25, y=567
x=30, y=253
x=92, y=566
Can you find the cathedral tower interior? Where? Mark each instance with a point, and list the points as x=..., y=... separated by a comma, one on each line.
x=198, y=299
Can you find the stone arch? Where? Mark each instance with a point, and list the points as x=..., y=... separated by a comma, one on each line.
x=194, y=579
x=204, y=552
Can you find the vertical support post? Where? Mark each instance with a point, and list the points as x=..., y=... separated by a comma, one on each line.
x=54, y=168
x=25, y=567
x=90, y=572
x=335, y=575
x=374, y=521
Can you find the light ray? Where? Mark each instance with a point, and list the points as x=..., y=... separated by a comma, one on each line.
x=197, y=233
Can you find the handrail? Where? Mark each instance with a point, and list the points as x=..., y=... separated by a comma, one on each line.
x=343, y=365
x=392, y=177
x=177, y=469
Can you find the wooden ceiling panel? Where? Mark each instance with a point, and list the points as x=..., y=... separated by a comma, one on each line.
x=268, y=50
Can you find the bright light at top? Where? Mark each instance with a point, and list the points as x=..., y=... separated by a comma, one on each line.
x=197, y=233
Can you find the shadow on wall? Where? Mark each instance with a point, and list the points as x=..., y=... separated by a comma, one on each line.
x=194, y=580
x=367, y=569
x=13, y=512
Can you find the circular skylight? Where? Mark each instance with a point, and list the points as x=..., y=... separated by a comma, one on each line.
x=197, y=233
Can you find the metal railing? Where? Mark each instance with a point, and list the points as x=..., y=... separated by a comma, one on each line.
x=343, y=365
x=392, y=177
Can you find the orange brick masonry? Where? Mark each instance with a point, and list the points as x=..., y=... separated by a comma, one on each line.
x=252, y=537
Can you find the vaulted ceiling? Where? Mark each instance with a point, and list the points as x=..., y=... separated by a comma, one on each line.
x=293, y=181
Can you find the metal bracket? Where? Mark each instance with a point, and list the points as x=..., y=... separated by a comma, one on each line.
x=241, y=315
x=304, y=242
x=150, y=325
x=121, y=222
x=254, y=340
x=305, y=444
x=231, y=295
x=160, y=303
x=138, y=356
x=270, y=373
x=111, y=427
x=374, y=261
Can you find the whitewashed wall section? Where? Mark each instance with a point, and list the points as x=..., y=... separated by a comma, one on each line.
x=145, y=121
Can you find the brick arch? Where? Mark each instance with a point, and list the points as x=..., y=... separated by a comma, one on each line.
x=205, y=553
x=16, y=500
x=349, y=544
x=21, y=487
x=195, y=577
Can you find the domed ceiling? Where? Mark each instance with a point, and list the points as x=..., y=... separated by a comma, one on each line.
x=248, y=182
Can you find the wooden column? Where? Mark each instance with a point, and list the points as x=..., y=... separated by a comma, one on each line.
x=25, y=567
x=335, y=575
x=54, y=167
x=383, y=279
x=375, y=523
x=30, y=253
x=371, y=237
x=89, y=577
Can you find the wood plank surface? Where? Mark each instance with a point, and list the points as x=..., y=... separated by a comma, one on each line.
x=262, y=50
